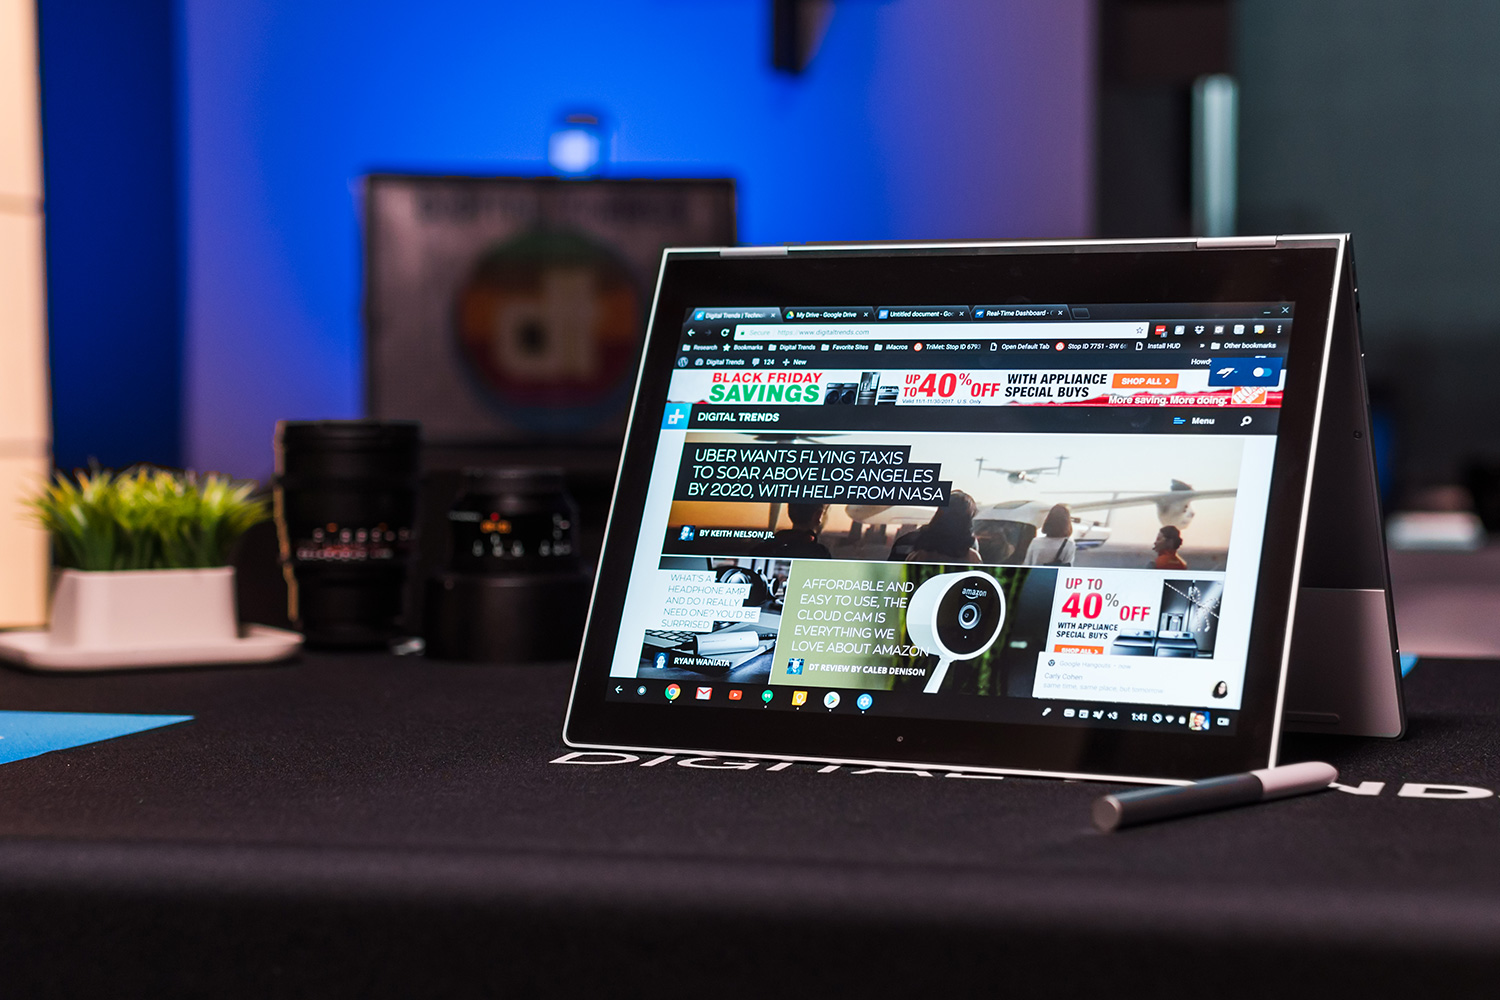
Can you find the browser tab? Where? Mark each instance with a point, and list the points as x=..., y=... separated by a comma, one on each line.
x=746, y=314
x=894, y=329
x=825, y=314
x=1027, y=311
x=907, y=314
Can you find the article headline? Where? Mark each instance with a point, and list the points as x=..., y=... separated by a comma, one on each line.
x=846, y=473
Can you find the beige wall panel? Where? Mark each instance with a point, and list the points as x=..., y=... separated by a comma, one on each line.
x=20, y=124
x=24, y=432
x=24, y=554
x=23, y=339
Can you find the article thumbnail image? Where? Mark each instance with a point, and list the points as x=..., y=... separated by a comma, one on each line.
x=1087, y=500
x=848, y=625
x=719, y=619
x=916, y=627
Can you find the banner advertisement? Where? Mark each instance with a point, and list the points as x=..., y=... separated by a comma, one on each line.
x=1237, y=382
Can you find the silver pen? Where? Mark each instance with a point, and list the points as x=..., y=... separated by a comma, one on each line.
x=1147, y=805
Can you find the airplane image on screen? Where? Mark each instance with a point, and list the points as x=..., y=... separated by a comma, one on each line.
x=1004, y=529
x=1018, y=476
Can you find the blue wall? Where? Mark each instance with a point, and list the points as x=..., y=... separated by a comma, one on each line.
x=917, y=119
x=109, y=136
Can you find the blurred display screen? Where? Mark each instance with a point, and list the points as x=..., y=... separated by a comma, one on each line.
x=511, y=310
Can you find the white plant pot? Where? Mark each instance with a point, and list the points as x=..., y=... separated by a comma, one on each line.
x=151, y=608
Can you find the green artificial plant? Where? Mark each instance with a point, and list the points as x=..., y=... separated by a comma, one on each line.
x=145, y=518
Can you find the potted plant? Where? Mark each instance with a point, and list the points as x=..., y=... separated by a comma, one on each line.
x=144, y=557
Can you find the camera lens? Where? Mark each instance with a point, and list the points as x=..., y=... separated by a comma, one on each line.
x=346, y=495
x=513, y=521
x=514, y=590
x=969, y=613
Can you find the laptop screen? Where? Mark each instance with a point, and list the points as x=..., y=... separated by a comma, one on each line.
x=1049, y=514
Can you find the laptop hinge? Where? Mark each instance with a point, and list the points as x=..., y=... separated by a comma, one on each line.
x=1235, y=242
x=752, y=252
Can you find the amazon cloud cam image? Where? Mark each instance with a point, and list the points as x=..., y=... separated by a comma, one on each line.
x=956, y=616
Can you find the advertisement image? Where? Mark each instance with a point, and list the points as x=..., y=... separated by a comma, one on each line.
x=1134, y=636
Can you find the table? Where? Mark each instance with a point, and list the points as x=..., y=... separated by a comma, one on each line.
x=367, y=825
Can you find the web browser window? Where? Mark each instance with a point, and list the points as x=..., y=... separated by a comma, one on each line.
x=1049, y=514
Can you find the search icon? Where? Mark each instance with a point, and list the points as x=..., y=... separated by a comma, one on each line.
x=1244, y=421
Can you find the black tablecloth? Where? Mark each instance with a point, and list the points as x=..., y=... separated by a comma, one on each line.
x=367, y=825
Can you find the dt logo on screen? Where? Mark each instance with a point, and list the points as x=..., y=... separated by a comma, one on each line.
x=676, y=416
x=1245, y=372
x=794, y=665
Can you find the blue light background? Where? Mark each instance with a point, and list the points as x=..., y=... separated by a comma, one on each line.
x=918, y=119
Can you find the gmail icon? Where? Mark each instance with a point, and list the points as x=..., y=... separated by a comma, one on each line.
x=704, y=693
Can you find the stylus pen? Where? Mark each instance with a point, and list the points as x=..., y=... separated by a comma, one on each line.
x=1151, y=804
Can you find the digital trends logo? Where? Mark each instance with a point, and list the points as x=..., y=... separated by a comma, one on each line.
x=676, y=416
x=794, y=666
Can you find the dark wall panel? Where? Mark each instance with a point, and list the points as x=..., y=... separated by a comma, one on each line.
x=113, y=274
x=1382, y=118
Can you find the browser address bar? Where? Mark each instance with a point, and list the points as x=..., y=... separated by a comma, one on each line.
x=942, y=331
